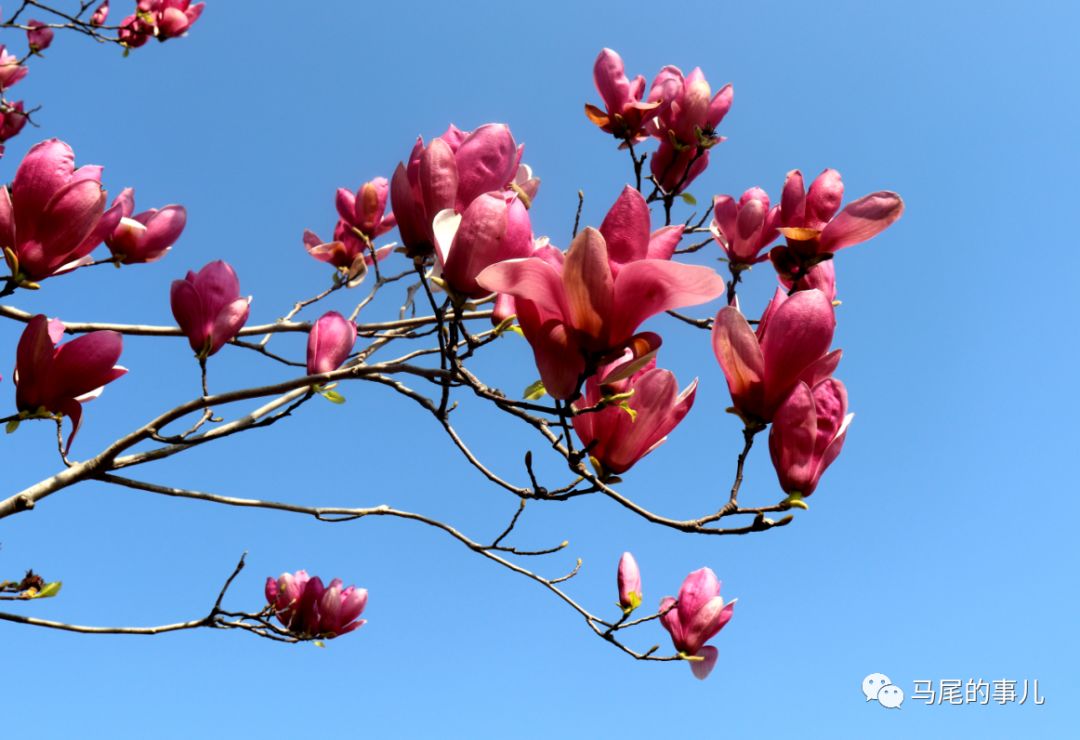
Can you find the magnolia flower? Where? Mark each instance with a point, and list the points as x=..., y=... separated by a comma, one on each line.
x=54, y=378
x=330, y=341
x=625, y=113
x=309, y=610
x=790, y=345
x=10, y=69
x=745, y=227
x=54, y=215
x=100, y=15
x=808, y=433
x=623, y=433
x=208, y=307
x=575, y=314
x=450, y=173
x=38, y=35
x=147, y=236
x=629, y=580
x=813, y=228
x=695, y=617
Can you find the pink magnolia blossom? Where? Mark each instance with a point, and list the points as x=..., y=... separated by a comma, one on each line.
x=12, y=120
x=135, y=30
x=38, y=35
x=625, y=113
x=10, y=69
x=685, y=125
x=168, y=19
x=575, y=314
x=208, y=307
x=813, y=228
x=147, y=236
x=100, y=15
x=791, y=345
x=618, y=437
x=808, y=433
x=58, y=378
x=309, y=610
x=330, y=341
x=54, y=215
x=695, y=618
x=450, y=173
x=363, y=210
x=347, y=253
x=495, y=227
x=745, y=227
x=629, y=580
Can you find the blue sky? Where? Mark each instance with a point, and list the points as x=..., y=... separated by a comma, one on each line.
x=939, y=546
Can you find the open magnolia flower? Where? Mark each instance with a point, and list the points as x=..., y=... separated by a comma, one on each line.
x=54, y=378
x=695, y=617
x=307, y=608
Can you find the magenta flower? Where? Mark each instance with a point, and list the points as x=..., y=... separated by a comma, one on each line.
x=450, y=173
x=10, y=69
x=55, y=214
x=685, y=125
x=38, y=35
x=208, y=307
x=495, y=227
x=53, y=378
x=790, y=346
x=12, y=120
x=618, y=436
x=171, y=18
x=309, y=610
x=808, y=433
x=695, y=617
x=147, y=236
x=745, y=227
x=330, y=341
x=813, y=228
x=625, y=113
x=135, y=31
x=575, y=314
x=629, y=578
x=363, y=210
x=347, y=253
x=100, y=15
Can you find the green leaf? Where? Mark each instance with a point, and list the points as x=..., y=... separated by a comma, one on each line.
x=12, y=426
x=689, y=199
x=535, y=391
x=333, y=397
x=48, y=590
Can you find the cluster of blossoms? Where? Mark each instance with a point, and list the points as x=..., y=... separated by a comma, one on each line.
x=159, y=19
x=461, y=206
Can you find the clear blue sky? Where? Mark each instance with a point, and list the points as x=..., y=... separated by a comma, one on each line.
x=941, y=545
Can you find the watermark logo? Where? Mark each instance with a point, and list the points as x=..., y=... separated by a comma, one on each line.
x=878, y=687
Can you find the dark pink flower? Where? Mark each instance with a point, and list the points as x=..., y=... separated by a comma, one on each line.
x=171, y=18
x=58, y=378
x=625, y=113
x=623, y=433
x=12, y=120
x=208, y=307
x=450, y=173
x=695, y=618
x=813, y=228
x=745, y=227
x=495, y=227
x=147, y=236
x=629, y=580
x=808, y=433
x=55, y=214
x=100, y=15
x=330, y=341
x=309, y=610
x=790, y=345
x=576, y=313
x=135, y=30
x=38, y=35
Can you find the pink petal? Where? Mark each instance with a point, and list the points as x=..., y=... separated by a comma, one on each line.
x=861, y=220
x=626, y=228
x=648, y=287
